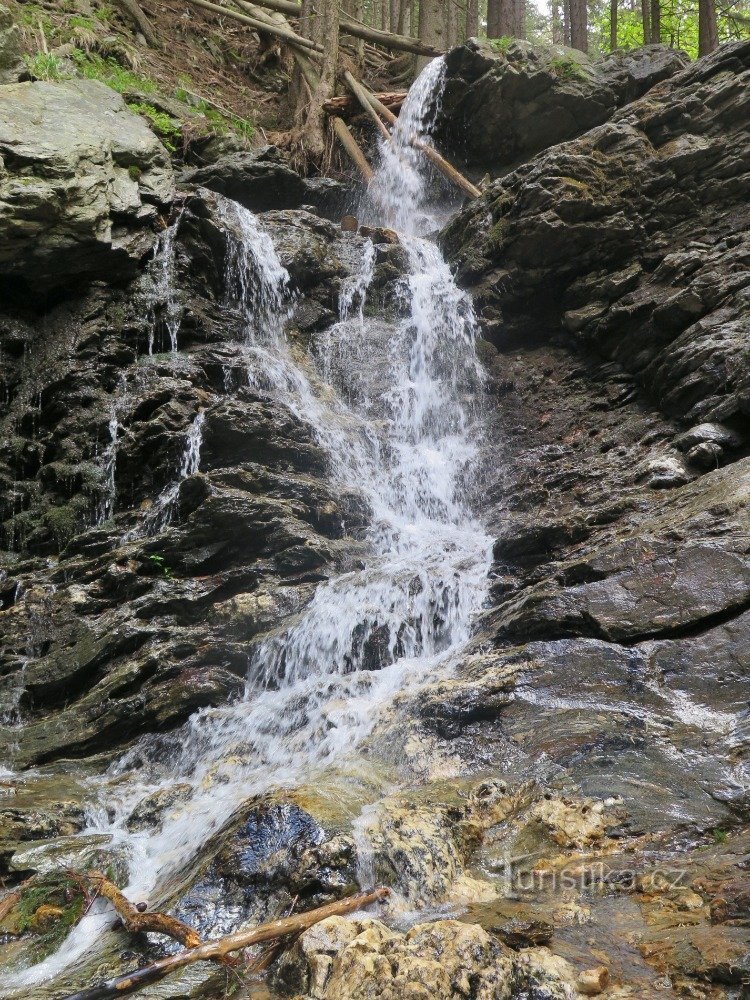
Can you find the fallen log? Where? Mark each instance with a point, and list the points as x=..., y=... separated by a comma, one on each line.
x=286, y=34
x=349, y=105
x=359, y=92
x=138, y=19
x=385, y=39
x=347, y=140
x=446, y=168
x=213, y=950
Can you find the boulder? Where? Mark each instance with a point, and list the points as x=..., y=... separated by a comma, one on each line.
x=82, y=180
x=529, y=98
x=342, y=959
x=259, y=179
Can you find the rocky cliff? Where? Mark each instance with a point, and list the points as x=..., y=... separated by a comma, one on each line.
x=576, y=791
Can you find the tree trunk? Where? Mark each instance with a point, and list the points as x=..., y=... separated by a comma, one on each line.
x=646, y=19
x=708, y=30
x=655, y=21
x=519, y=12
x=613, y=25
x=323, y=29
x=394, y=12
x=472, y=19
x=433, y=26
x=558, y=30
x=566, y=22
x=493, y=18
x=579, y=35
x=451, y=23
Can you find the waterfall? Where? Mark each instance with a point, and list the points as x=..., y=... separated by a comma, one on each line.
x=164, y=297
x=402, y=427
x=160, y=515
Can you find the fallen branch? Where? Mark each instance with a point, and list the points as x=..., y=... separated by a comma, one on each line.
x=286, y=34
x=349, y=105
x=446, y=168
x=385, y=39
x=139, y=21
x=213, y=950
x=347, y=140
x=138, y=921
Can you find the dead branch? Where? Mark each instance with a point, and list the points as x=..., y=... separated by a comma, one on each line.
x=139, y=921
x=139, y=21
x=397, y=43
x=447, y=169
x=213, y=950
x=349, y=105
x=286, y=34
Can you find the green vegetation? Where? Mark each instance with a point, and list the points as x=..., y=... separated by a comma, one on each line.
x=109, y=71
x=501, y=44
x=720, y=836
x=218, y=122
x=167, y=128
x=160, y=563
x=568, y=68
x=44, y=66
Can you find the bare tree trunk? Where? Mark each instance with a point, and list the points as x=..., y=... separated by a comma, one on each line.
x=324, y=29
x=579, y=35
x=655, y=21
x=472, y=19
x=393, y=22
x=493, y=18
x=708, y=29
x=566, y=22
x=613, y=25
x=519, y=29
x=646, y=20
x=433, y=26
x=451, y=22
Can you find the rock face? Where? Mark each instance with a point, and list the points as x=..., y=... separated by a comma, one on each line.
x=11, y=63
x=636, y=235
x=528, y=99
x=81, y=180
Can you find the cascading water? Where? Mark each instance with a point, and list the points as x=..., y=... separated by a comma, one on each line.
x=404, y=435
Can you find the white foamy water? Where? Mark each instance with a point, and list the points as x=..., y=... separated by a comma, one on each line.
x=405, y=438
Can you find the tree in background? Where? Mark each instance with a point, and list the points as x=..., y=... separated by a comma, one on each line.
x=594, y=26
x=579, y=28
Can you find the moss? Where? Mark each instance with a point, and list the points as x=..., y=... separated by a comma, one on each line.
x=134, y=173
x=568, y=68
x=65, y=521
x=498, y=233
x=167, y=128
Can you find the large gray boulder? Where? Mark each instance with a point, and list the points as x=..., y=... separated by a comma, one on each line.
x=82, y=179
x=529, y=97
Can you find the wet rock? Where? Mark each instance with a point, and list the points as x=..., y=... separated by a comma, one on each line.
x=259, y=179
x=358, y=959
x=710, y=434
x=563, y=236
x=664, y=473
x=532, y=97
x=53, y=227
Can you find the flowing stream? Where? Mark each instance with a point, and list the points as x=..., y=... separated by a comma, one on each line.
x=403, y=430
